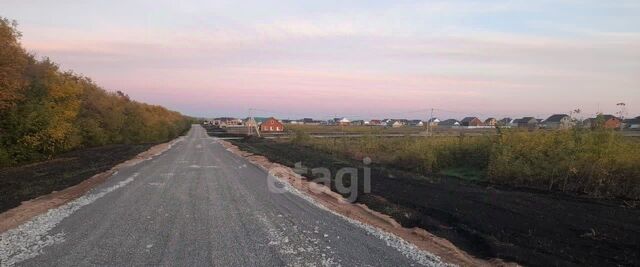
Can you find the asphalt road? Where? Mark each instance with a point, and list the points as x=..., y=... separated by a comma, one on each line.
x=197, y=205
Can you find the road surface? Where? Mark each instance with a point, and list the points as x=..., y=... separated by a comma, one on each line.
x=196, y=205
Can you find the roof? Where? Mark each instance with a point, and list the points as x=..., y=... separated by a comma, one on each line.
x=271, y=118
x=524, y=120
x=632, y=121
x=449, y=122
x=489, y=119
x=225, y=118
x=556, y=117
x=605, y=117
x=608, y=117
x=468, y=119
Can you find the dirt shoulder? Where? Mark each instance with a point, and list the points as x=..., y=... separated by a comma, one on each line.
x=32, y=189
x=523, y=226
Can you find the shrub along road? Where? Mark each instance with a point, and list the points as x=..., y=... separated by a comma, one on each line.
x=196, y=204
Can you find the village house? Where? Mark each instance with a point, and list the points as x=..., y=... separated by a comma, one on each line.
x=611, y=122
x=450, y=123
x=416, y=123
x=375, y=123
x=271, y=125
x=632, y=123
x=558, y=121
x=604, y=121
x=227, y=122
x=471, y=122
x=310, y=121
x=526, y=122
x=433, y=122
x=490, y=122
x=358, y=123
x=341, y=121
x=504, y=122
x=396, y=123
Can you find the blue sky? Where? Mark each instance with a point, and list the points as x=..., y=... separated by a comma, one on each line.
x=361, y=59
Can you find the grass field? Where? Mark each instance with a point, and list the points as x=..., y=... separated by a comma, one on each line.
x=599, y=163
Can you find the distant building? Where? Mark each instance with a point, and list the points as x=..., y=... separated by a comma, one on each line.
x=450, y=123
x=227, y=122
x=471, y=122
x=632, y=123
x=271, y=125
x=490, y=122
x=433, y=121
x=526, y=122
x=396, y=123
x=416, y=123
x=376, y=123
x=341, y=121
x=358, y=123
x=504, y=122
x=558, y=121
x=310, y=121
x=604, y=121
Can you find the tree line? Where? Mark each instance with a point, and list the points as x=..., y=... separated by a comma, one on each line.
x=45, y=111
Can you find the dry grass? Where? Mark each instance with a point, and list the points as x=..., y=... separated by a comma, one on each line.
x=598, y=163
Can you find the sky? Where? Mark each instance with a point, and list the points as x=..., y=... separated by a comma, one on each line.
x=356, y=59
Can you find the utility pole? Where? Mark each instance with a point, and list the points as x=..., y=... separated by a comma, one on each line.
x=429, y=132
x=253, y=121
x=622, y=113
x=249, y=123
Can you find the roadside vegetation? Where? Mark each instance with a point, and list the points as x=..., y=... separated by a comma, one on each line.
x=599, y=163
x=45, y=111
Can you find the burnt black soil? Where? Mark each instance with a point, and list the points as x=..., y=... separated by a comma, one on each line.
x=26, y=182
x=528, y=227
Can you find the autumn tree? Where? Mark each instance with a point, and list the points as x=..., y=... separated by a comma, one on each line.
x=45, y=111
